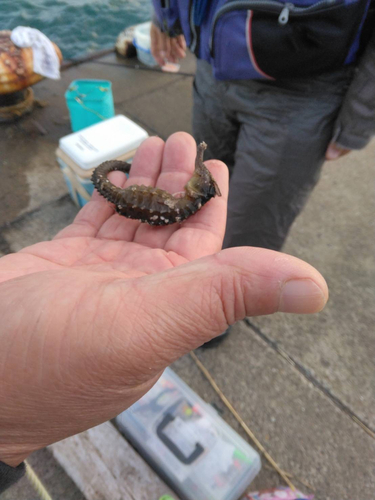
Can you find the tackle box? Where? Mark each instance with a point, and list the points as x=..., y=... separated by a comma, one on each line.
x=79, y=153
x=188, y=444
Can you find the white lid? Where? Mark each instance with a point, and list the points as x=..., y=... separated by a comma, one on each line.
x=103, y=141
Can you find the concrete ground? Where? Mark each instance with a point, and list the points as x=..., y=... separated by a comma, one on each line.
x=304, y=384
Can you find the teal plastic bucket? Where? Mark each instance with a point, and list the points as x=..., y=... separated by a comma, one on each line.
x=89, y=102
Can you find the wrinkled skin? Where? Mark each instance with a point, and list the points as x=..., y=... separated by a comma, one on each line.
x=90, y=319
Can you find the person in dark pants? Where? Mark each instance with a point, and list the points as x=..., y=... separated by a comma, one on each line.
x=274, y=132
x=273, y=138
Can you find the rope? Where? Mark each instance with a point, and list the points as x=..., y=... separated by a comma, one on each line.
x=239, y=419
x=76, y=186
x=10, y=113
x=89, y=109
x=37, y=483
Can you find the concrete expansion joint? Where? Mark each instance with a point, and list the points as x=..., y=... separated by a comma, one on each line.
x=25, y=215
x=156, y=89
x=306, y=373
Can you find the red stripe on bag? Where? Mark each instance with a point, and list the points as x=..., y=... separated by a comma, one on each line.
x=250, y=46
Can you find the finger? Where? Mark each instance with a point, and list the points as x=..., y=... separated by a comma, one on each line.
x=177, y=168
x=156, y=48
x=145, y=170
x=164, y=45
x=178, y=162
x=203, y=233
x=173, y=55
x=334, y=151
x=94, y=214
x=147, y=163
x=167, y=46
x=177, y=51
x=88, y=220
x=181, y=42
x=191, y=304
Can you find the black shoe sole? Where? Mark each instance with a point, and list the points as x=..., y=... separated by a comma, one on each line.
x=215, y=341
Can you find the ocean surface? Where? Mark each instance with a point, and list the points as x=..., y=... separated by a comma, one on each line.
x=77, y=26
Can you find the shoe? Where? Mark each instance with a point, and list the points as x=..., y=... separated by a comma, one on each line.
x=216, y=340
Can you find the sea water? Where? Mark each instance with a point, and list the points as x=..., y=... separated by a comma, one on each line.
x=78, y=27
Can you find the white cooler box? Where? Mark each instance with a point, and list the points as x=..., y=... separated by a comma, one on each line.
x=198, y=454
x=80, y=153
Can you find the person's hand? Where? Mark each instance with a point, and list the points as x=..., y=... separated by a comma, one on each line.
x=90, y=319
x=334, y=151
x=166, y=49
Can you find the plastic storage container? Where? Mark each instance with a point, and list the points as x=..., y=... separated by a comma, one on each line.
x=89, y=102
x=189, y=445
x=79, y=153
x=142, y=42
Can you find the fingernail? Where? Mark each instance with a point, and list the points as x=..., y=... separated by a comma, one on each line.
x=333, y=153
x=302, y=297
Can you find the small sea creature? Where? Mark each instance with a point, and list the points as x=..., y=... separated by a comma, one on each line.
x=153, y=205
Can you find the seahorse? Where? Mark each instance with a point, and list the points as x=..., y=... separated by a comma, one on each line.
x=153, y=205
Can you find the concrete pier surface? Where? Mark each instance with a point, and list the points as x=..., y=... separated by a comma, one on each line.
x=304, y=384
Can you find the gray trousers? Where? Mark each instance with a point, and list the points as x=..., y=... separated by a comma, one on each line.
x=273, y=137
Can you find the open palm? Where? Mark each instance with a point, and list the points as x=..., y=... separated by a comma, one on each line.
x=91, y=318
x=101, y=240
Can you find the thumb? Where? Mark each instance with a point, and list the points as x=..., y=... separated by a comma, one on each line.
x=178, y=310
x=334, y=151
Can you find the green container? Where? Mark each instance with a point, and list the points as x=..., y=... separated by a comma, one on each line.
x=89, y=102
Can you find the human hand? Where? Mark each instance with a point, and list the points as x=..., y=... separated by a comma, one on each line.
x=166, y=49
x=334, y=151
x=90, y=319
